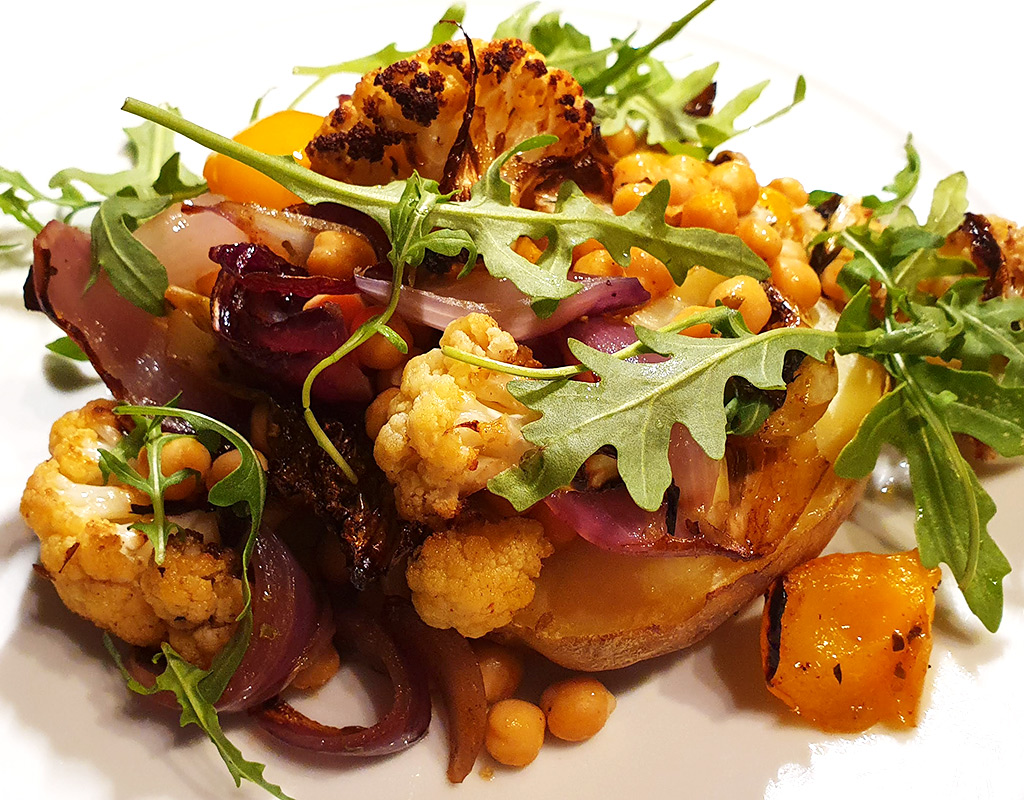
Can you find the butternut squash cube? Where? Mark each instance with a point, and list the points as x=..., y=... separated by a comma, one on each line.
x=845, y=639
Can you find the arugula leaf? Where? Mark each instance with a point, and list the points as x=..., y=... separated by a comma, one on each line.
x=635, y=405
x=186, y=682
x=135, y=272
x=919, y=418
x=903, y=185
x=197, y=690
x=66, y=347
x=990, y=328
x=441, y=32
x=630, y=87
x=494, y=224
x=151, y=149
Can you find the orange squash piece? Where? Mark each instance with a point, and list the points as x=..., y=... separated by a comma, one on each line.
x=845, y=639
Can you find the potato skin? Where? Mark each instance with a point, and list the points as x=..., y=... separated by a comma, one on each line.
x=845, y=639
x=595, y=610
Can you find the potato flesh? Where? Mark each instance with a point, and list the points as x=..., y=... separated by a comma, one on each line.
x=845, y=639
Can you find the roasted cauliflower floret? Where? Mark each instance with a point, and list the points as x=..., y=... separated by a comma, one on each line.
x=103, y=570
x=452, y=427
x=407, y=116
x=476, y=576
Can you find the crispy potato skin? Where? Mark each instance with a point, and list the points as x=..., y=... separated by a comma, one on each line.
x=845, y=639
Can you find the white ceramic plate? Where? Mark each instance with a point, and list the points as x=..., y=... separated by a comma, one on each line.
x=698, y=724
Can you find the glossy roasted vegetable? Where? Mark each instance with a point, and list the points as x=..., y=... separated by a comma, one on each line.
x=845, y=639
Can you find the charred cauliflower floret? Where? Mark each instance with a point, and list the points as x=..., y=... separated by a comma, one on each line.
x=452, y=427
x=103, y=570
x=407, y=116
x=476, y=576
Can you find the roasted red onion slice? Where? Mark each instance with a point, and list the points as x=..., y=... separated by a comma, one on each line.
x=258, y=311
x=289, y=624
x=402, y=725
x=606, y=335
x=286, y=624
x=436, y=301
x=612, y=521
x=182, y=239
x=126, y=345
x=455, y=671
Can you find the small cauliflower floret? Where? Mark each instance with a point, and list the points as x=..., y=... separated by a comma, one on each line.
x=451, y=426
x=476, y=576
x=103, y=570
x=407, y=116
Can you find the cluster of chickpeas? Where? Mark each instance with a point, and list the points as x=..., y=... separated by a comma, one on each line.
x=725, y=197
x=572, y=710
x=187, y=452
x=340, y=254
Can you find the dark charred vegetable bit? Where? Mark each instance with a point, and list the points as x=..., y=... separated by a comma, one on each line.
x=258, y=312
x=776, y=607
x=898, y=642
x=828, y=205
x=704, y=103
x=823, y=254
x=671, y=508
x=361, y=515
x=837, y=670
x=784, y=314
x=460, y=151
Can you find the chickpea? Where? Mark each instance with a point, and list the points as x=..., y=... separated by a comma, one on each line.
x=577, y=708
x=501, y=668
x=527, y=248
x=702, y=331
x=778, y=205
x=583, y=248
x=600, y=263
x=715, y=210
x=225, y=464
x=515, y=732
x=792, y=188
x=797, y=281
x=377, y=352
x=622, y=143
x=650, y=271
x=744, y=294
x=377, y=413
x=760, y=237
x=337, y=254
x=830, y=275
x=178, y=454
x=642, y=166
x=628, y=196
x=739, y=180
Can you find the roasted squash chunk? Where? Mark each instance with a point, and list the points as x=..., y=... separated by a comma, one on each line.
x=845, y=639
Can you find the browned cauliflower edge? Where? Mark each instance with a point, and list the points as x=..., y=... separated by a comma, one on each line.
x=451, y=426
x=103, y=570
x=475, y=576
x=407, y=116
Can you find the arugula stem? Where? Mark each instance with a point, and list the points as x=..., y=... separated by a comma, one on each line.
x=364, y=332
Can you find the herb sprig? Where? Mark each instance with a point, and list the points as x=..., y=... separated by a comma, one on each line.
x=493, y=223
x=197, y=690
